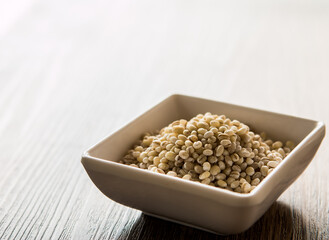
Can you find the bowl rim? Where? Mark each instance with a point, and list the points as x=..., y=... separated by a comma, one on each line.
x=252, y=198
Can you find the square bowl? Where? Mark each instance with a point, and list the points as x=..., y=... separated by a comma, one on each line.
x=205, y=207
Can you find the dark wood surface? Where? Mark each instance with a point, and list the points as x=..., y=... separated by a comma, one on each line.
x=72, y=72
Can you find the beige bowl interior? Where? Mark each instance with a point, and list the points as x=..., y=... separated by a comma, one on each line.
x=277, y=126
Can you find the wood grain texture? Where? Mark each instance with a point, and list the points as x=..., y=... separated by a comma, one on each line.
x=71, y=72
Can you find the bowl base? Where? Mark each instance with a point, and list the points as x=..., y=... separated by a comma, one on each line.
x=183, y=223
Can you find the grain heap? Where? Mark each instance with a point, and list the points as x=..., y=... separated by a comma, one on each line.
x=210, y=149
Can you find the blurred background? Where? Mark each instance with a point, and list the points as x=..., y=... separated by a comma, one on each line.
x=71, y=72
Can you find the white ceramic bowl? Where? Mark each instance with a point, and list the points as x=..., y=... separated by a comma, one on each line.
x=194, y=204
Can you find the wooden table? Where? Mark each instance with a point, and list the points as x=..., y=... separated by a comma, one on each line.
x=71, y=72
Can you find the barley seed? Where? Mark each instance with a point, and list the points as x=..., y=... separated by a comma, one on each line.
x=212, y=150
